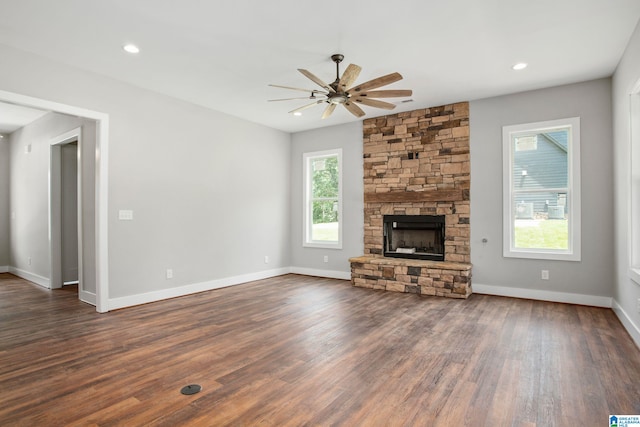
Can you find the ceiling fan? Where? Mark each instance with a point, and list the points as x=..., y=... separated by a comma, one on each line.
x=341, y=91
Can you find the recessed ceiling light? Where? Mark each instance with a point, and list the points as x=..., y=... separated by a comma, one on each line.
x=297, y=113
x=520, y=66
x=131, y=48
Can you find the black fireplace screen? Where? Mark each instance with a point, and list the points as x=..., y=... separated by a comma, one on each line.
x=414, y=236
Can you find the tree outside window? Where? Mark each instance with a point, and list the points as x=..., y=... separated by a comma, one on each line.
x=323, y=198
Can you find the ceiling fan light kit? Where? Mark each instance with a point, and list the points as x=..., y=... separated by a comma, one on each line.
x=341, y=92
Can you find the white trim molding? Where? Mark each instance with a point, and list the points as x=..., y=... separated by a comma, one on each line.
x=86, y=296
x=634, y=184
x=101, y=183
x=129, y=301
x=132, y=300
x=308, y=198
x=511, y=191
x=4, y=268
x=32, y=277
x=331, y=274
x=627, y=322
x=542, y=295
x=55, y=205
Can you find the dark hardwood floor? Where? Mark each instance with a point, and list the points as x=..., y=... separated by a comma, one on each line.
x=297, y=350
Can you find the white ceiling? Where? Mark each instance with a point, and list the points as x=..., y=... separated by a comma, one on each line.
x=222, y=54
x=13, y=117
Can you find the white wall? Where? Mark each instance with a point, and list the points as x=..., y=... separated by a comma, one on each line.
x=626, y=292
x=209, y=192
x=311, y=260
x=4, y=203
x=29, y=195
x=591, y=101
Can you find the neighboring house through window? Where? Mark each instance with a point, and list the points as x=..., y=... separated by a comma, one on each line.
x=322, y=171
x=541, y=174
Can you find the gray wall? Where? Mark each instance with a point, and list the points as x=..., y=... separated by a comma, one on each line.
x=591, y=101
x=349, y=138
x=4, y=202
x=213, y=194
x=29, y=194
x=69, y=198
x=209, y=192
x=627, y=74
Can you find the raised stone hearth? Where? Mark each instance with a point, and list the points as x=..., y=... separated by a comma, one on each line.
x=440, y=278
x=417, y=163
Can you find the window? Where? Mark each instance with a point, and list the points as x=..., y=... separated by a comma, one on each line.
x=541, y=184
x=634, y=200
x=323, y=199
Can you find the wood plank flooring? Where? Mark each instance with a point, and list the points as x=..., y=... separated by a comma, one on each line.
x=297, y=350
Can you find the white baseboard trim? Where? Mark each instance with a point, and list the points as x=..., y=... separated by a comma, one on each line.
x=4, y=268
x=88, y=297
x=331, y=274
x=628, y=324
x=32, y=277
x=128, y=301
x=592, y=300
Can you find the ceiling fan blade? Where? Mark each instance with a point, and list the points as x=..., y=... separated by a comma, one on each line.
x=375, y=103
x=297, y=88
x=329, y=110
x=316, y=80
x=304, y=107
x=375, y=83
x=289, y=99
x=354, y=109
x=349, y=76
x=385, y=93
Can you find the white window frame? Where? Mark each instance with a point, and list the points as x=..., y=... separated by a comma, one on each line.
x=634, y=184
x=307, y=159
x=573, y=191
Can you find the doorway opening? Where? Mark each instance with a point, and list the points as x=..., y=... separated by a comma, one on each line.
x=99, y=245
x=66, y=214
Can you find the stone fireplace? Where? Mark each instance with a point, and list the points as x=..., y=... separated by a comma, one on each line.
x=417, y=164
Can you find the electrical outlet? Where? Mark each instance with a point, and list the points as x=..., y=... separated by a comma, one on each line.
x=29, y=260
x=545, y=275
x=326, y=258
x=125, y=215
x=169, y=273
x=266, y=259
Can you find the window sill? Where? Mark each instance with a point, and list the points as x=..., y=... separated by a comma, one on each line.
x=322, y=245
x=554, y=256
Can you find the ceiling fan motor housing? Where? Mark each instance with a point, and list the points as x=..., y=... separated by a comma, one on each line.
x=337, y=99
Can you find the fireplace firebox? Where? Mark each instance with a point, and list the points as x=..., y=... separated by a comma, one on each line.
x=414, y=236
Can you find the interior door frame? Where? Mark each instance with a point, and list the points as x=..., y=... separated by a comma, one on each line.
x=56, y=211
x=101, y=183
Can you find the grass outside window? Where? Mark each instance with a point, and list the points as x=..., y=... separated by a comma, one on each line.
x=541, y=234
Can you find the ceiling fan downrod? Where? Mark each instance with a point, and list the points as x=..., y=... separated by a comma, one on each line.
x=337, y=58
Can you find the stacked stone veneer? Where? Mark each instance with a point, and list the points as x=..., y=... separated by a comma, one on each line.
x=445, y=279
x=417, y=163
